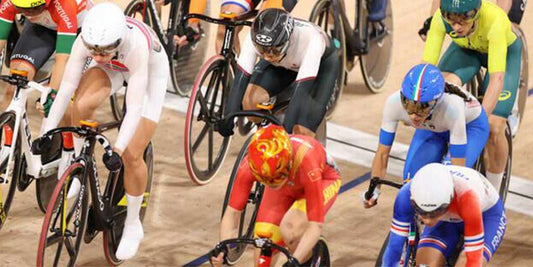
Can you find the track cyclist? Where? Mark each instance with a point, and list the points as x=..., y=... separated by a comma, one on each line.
x=122, y=49
x=50, y=26
x=482, y=36
x=451, y=201
x=444, y=116
x=295, y=55
x=299, y=181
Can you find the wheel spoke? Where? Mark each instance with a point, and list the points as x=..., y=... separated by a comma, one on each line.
x=210, y=148
x=70, y=247
x=200, y=137
x=58, y=253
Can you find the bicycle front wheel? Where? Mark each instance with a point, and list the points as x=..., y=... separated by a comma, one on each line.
x=8, y=183
x=376, y=63
x=324, y=16
x=249, y=213
x=119, y=203
x=205, y=149
x=64, y=222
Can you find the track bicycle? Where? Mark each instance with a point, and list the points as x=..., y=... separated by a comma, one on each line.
x=415, y=230
x=184, y=62
x=370, y=41
x=18, y=165
x=320, y=251
x=69, y=221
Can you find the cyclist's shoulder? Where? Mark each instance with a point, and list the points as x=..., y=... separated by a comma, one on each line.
x=7, y=8
x=306, y=150
x=491, y=15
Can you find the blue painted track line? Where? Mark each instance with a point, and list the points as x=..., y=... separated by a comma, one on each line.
x=345, y=187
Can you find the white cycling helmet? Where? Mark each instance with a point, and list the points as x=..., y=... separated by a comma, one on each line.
x=432, y=190
x=103, y=28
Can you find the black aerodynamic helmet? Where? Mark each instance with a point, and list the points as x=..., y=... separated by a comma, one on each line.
x=271, y=30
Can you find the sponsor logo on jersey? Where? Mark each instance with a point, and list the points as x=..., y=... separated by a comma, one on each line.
x=504, y=95
x=5, y=6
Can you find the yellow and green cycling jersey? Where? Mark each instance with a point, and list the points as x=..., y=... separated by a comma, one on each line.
x=492, y=35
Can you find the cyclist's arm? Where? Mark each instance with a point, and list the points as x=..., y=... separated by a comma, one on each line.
x=237, y=201
x=7, y=16
x=399, y=231
x=434, y=40
x=387, y=133
x=434, y=6
x=72, y=76
x=505, y=5
x=469, y=208
x=455, y=117
x=64, y=12
x=497, y=59
x=137, y=87
x=245, y=66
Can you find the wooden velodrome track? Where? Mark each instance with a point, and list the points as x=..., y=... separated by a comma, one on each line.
x=182, y=221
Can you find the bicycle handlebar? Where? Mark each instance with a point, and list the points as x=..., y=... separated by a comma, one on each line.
x=87, y=131
x=375, y=181
x=21, y=82
x=252, y=113
x=258, y=243
x=241, y=20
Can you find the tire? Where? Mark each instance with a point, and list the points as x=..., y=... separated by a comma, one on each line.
x=322, y=15
x=524, y=76
x=113, y=235
x=7, y=190
x=379, y=260
x=118, y=106
x=504, y=185
x=73, y=213
x=136, y=9
x=192, y=57
x=321, y=254
x=206, y=107
x=249, y=213
x=375, y=64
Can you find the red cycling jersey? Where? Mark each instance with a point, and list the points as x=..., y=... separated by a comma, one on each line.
x=311, y=178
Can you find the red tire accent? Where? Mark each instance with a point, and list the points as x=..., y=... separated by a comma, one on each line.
x=190, y=115
x=49, y=209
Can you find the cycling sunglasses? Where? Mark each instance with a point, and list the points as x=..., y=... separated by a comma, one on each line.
x=422, y=109
x=432, y=214
x=272, y=50
x=460, y=18
x=102, y=50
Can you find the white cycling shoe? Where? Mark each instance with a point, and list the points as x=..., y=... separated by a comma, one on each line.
x=74, y=189
x=130, y=241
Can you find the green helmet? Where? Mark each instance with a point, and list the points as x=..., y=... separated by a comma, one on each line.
x=459, y=6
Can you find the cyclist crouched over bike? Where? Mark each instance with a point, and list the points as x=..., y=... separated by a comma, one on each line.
x=451, y=201
x=294, y=55
x=299, y=180
x=122, y=49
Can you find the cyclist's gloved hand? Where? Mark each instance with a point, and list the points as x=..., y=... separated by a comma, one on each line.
x=112, y=162
x=425, y=28
x=225, y=127
x=49, y=101
x=41, y=144
x=219, y=257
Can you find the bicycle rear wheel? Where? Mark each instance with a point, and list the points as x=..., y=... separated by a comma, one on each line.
x=323, y=15
x=8, y=184
x=205, y=149
x=64, y=222
x=321, y=254
x=376, y=63
x=118, y=200
x=249, y=213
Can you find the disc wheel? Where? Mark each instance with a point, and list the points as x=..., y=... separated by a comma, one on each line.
x=113, y=235
x=205, y=149
x=323, y=15
x=248, y=214
x=64, y=222
x=376, y=63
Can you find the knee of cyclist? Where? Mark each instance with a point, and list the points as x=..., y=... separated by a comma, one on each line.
x=292, y=231
x=82, y=107
x=452, y=78
x=497, y=130
x=21, y=66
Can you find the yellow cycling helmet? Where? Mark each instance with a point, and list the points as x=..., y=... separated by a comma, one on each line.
x=29, y=3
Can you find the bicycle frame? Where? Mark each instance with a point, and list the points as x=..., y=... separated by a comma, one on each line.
x=17, y=107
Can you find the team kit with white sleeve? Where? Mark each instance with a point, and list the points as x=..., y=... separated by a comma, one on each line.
x=140, y=60
x=308, y=69
x=475, y=211
x=462, y=124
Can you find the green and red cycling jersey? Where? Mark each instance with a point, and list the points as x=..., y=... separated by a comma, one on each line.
x=63, y=16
